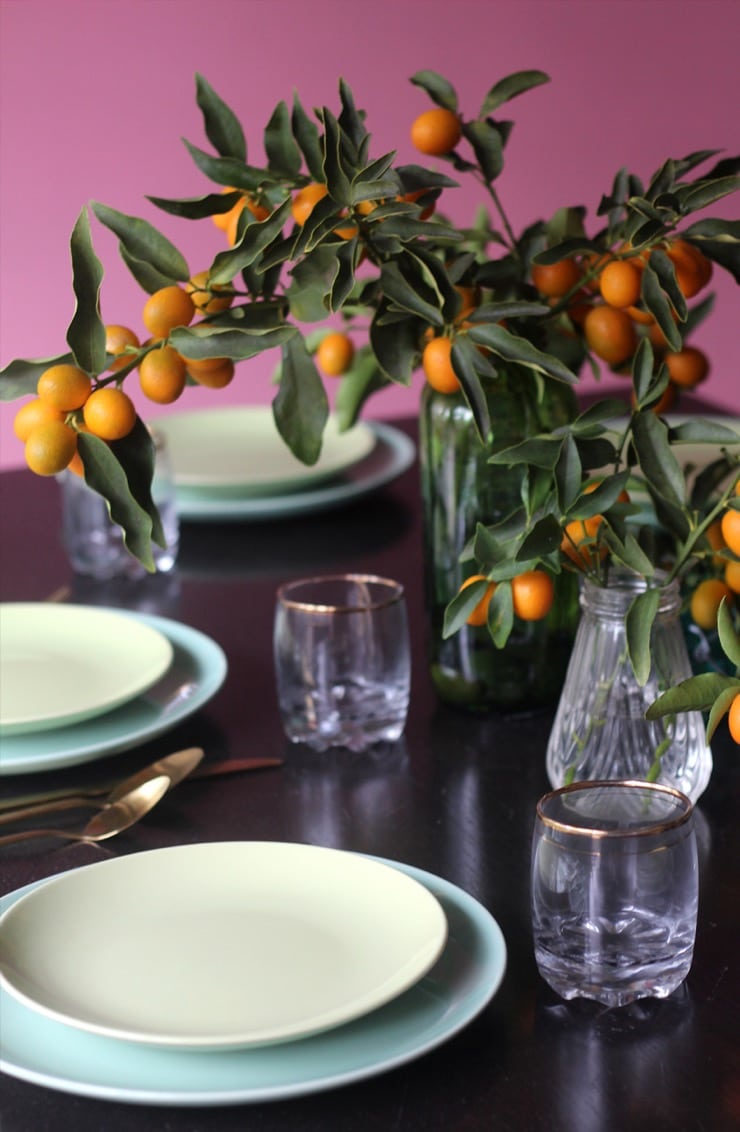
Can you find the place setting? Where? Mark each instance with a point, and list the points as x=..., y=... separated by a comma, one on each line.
x=305, y=968
x=80, y=682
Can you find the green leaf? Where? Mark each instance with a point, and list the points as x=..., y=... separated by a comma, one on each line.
x=697, y=693
x=136, y=454
x=464, y=358
x=700, y=431
x=728, y=638
x=541, y=451
x=254, y=240
x=306, y=134
x=230, y=170
x=516, y=349
x=196, y=342
x=568, y=473
x=639, y=623
x=543, y=539
x=629, y=553
x=461, y=606
x=659, y=285
x=351, y=120
x=311, y=284
x=356, y=386
x=487, y=146
x=338, y=179
x=143, y=242
x=657, y=460
x=197, y=208
x=704, y=193
x=86, y=332
x=643, y=365
x=501, y=614
x=395, y=345
x=414, y=177
x=148, y=278
x=510, y=87
x=438, y=88
x=20, y=377
x=720, y=707
x=404, y=285
x=301, y=407
x=344, y=279
x=105, y=474
x=283, y=153
x=221, y=125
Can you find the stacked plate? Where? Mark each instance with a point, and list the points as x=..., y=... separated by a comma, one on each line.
x=78, y=682
x=236, y=971
x=230, y=463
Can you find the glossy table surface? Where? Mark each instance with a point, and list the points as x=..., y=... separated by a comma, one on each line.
x=455, y=798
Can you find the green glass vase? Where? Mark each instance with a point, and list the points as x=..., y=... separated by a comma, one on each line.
x=459, y=490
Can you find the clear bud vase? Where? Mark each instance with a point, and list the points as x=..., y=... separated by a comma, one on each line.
x=600, y=730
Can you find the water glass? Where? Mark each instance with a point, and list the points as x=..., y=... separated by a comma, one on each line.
x=614, y=890
x=94, y=544
x=342, y=660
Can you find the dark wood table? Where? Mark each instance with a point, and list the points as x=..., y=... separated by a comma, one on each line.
x=456, y=798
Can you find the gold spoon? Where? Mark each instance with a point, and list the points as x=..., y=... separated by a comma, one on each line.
x=176, y=766
x=110, y=820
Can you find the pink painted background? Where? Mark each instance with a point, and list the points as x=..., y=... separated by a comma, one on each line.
x=95, y=96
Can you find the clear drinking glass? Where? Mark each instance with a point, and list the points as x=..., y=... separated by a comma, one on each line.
x=342, y=660
x=614, y=890
x=95, y=545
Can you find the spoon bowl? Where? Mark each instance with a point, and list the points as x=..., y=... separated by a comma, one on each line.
x=110, y=820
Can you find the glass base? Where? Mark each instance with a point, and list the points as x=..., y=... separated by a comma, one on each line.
x=610, y=988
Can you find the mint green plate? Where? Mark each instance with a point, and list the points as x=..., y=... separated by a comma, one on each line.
x=61, y=664
x=238, y=450
x=197, y=671
x=392, y=455
x=462, y=982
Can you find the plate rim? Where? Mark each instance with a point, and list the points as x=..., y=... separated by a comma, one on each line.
x=470, y=1002
x=201, y=649
x=135, y=686
x=292, y=859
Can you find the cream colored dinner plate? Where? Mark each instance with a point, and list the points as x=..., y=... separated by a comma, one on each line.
x=220, y=945
x=238, y=450
x=61, y=664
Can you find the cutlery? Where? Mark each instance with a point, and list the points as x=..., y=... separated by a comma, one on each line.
x=110, y=820
x=175, y=766
x=83, y=795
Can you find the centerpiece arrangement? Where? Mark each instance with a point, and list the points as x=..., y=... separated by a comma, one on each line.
x=345, y=263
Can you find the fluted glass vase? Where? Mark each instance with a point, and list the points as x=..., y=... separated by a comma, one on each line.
x=600, y=730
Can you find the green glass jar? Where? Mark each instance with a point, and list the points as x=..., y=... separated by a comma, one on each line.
x=459, y=490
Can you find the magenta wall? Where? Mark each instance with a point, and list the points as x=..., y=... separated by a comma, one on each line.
x=96, y=94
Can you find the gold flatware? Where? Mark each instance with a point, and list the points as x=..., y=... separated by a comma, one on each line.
x=176, y=767
x=83, y=795
x=110, y=820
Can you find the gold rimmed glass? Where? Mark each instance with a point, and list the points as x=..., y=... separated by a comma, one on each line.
x=342, y=660
x=614, y=890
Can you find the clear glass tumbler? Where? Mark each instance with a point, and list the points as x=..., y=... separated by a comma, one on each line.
x=614, y=890
x=342, y=660
x=94, y=544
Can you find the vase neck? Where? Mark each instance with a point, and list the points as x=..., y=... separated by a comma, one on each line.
x=614, y=599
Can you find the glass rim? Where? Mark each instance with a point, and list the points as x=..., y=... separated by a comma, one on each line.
x=662, y=826
x=395, y=593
